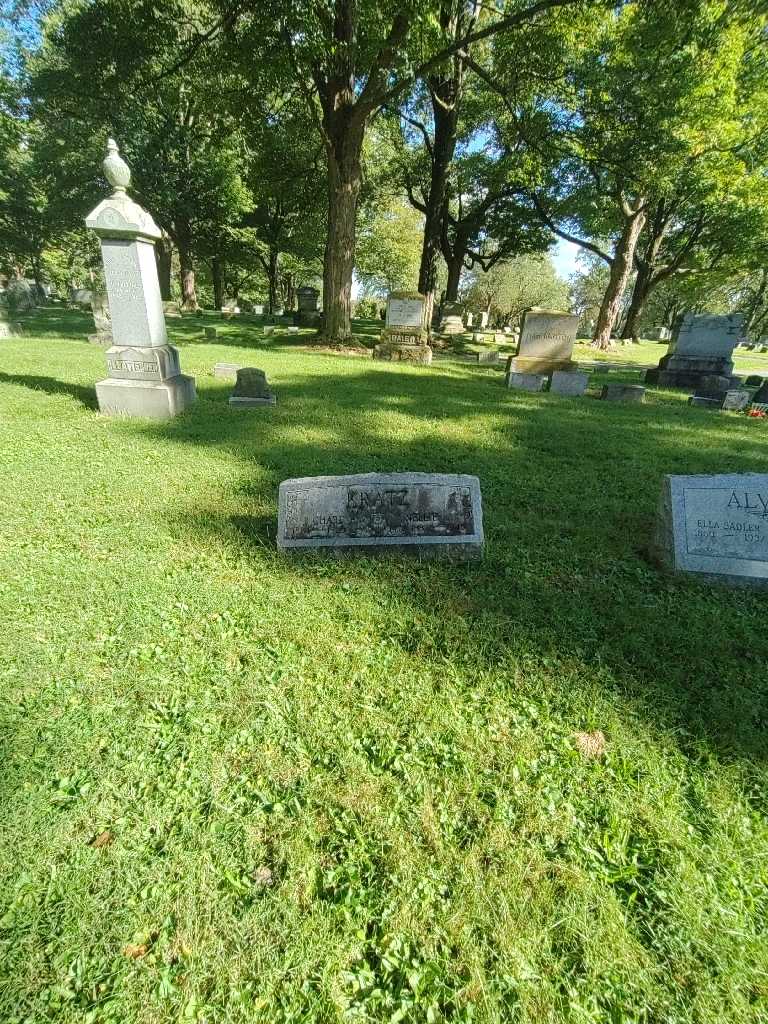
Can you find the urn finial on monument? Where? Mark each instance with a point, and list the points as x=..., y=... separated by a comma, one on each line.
x=145, y=377
x=116, y=170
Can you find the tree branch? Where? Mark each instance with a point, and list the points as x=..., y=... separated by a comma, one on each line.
x=581, y=242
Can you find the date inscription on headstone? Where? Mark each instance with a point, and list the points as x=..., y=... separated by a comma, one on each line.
x=717, y=525
x=433, y=513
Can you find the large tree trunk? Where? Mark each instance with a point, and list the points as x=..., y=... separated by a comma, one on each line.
x=454, y=277
x=640, y=294
x=217, y=276
x=186, y=267
x=621, y=268
x=272, y=277
x=344, y=177
x=445, y=93
x=163, y=258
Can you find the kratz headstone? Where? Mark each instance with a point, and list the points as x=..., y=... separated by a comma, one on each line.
x=716, y=526
x=144, y=376
x=427, y=514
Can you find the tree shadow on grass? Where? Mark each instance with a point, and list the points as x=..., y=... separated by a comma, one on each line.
x=85, y=395
x=569, y=492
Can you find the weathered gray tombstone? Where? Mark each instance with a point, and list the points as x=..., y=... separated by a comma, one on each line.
x=547, y=337
x=427, y=514
x=21, y=295
x=258, y=310
x=736, y=401
x=623, y=393
x=226, y=370
x=452, y=318
x=251, y=389
x=702, y=402
x=753, y=381
x=527, y=381
x=703, y=348
x=658, y=334
x=482, y=323
x=8, y=329
x=715, y=526
x=171, y=309
x=102, y=319
x=572, y=383
x=404, y=338
x=80, y=297
x=144, y=374
x=468, y=319
x=211, y=333
x=488, y=356
x=307, y=299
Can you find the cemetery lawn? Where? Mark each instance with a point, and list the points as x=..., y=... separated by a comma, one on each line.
x=241, y=788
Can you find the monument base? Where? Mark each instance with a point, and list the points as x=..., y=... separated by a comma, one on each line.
x=156, y=400
x=451, y=325
x=9, y=330
x=530, y=364
x=678, y=371
x=397, y=352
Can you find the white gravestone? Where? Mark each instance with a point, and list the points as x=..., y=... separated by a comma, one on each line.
x=427, y=514
x=144, y=375
x=716, y=526
x=404, y=338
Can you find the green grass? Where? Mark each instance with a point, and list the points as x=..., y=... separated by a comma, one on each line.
x=350, y=790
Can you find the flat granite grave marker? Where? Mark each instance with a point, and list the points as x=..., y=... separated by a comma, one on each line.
x=144, y=376
x=527, y=381
x=623, y=393
x=251, y=389
x=736, y=401
x=432, y=515
x=570, y=383
x=716, y=526
x=547, y=337
x=226, y=369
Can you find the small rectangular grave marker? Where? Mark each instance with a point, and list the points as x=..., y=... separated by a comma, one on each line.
x=623, y=393
x=565, y=382
x=526, y=381
x=716, y=526
x=226, y=369
x=428, y=514
x=736, y=401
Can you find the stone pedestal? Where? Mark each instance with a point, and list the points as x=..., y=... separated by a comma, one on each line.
x=451, y=321
x=144, y=374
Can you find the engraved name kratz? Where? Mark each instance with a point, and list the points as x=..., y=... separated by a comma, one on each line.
x=382, y=510
x=385, y=512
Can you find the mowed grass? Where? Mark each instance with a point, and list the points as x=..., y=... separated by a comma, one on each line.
x=241, y=788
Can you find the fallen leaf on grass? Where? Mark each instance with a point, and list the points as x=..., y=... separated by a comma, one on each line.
x=591, y=744
x=102, y=839
x=134, y=952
